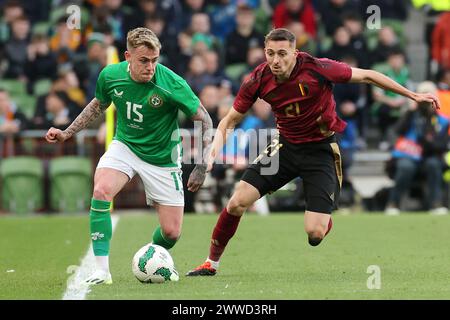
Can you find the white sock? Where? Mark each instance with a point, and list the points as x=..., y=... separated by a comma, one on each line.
x=214, y=264
x=102, y=262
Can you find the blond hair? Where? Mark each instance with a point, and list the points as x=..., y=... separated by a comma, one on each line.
x=142, y=37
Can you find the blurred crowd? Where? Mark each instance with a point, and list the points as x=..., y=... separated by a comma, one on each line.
x=48, y=69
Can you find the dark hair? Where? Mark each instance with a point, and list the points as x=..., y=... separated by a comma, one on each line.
x=12, y=4
x=395, y=51
x=61, y=95
x=350, y=16
x=280, y=34
x=441, y=73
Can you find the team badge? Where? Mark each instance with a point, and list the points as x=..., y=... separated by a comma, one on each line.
x=155, y=101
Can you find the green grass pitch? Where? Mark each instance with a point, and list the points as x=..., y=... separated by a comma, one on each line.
x=268, y=258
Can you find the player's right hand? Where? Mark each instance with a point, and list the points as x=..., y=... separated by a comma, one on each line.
x=55, y=135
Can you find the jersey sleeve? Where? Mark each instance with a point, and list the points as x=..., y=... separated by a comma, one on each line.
x=185, y=98
x=334, y=71
x=248, y=93
x=100, y=89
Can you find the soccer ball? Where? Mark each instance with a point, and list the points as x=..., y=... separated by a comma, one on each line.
x=154, y=264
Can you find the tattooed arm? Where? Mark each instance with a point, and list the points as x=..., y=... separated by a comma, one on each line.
x=197, y=176
x=92, y=111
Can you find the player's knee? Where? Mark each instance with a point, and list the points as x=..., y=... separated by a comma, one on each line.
x=172, y=232
x=102, y=192
x=237, y=206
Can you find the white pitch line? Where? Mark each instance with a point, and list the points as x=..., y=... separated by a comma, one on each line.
x=76, y=288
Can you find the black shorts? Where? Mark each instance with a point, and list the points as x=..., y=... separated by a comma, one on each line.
x=318, y=164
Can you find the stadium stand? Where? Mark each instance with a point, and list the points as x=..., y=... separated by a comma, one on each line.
x=58, y=58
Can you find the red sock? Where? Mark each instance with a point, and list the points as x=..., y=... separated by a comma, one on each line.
x=224, y=230
x=330, y=225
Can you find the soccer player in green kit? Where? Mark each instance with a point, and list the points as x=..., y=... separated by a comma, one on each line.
x=147, y=96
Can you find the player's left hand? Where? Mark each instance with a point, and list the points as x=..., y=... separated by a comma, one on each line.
x=428, y=97
x=197, y=177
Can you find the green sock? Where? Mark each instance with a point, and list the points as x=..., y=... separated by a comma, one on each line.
x=101, y=227
x=161, y=240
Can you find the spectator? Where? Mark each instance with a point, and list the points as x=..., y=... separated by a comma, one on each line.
x=68, y=82
x=331, y=12
x=65, y=42
x=190, y=7
x=243, y=37
x=255, y=57
x=209, y=96
x=387, y=41
x=55, y=110
x=16, y=48
x=304, y=41
x=213, y=67
x=41, y=62
x=223, y=18
x=196, y=76
x=38, y=10
x=226, y=95
x=96, y=61
x=356, y=94
x=440, y=42
x=348, y=143
x=419, y=149
x=295, y=10
x=12, y=10
x=157, y=24
x=354, y=24
x=179, y=59
x=201, y=43
x=388, y=105
x=201, y=29
x=341, y=46
x=116, y=15
x=11, y=119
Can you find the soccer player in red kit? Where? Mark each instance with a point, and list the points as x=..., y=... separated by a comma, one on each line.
x=299, y=89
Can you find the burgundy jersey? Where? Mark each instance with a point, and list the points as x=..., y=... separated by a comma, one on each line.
x=304, y=106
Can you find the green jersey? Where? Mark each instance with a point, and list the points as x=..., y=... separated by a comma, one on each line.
x=147, y=112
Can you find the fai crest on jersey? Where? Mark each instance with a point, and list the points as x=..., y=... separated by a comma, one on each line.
x=155, y=101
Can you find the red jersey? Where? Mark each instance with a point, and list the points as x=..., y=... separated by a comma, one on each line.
x=304, y=106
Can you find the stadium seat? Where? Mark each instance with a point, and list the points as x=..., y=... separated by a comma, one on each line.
x=70, y=183
x=14, y=87
x=42, y=28
x=42, y=87
x=26, y=104
x=235, y=71
x=397, y=26
x=22, y=184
